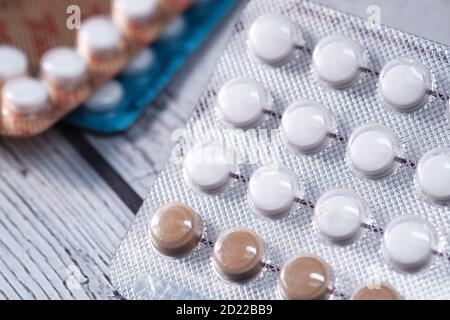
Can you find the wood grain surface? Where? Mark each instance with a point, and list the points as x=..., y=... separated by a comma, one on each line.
x=60, y=223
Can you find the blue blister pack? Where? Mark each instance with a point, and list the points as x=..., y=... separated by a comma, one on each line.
x=119, y=103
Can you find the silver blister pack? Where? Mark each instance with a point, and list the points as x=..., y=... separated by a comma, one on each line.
x=139, y=272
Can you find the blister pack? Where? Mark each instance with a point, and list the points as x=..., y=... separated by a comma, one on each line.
x=54, y=54
x=141, y=81
x=316, y=166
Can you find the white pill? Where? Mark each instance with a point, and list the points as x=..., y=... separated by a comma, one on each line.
x=242, y=101
x=99, y=36
x=63, y=66
x=339, y=215
x=403, y=84
x=208, y=165
x=305, y=126
x=433, y=175
x=337, y=60
x=106, y=97
x=137, y=11
x=140, y=63
x=272, y=39
x=272, y=190
x=408, y=242
x=372, y=149
x=25, y=95
x=13, y=63
x=173, y=29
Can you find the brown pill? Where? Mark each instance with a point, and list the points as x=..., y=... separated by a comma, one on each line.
x=380, y=291
x=175, y=229
x=238, y=255
x=304, y=277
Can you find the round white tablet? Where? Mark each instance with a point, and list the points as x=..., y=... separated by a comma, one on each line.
x=140, y=63
x=63, y=66
x=372, y=149
x=241, y=102
x=25, y=95
x=433, y=175
x=208, y=165
x=305, y=126
x=98, y=35
x=173, y=29
x=404, y=83
x=272, y=190
x=408, y=242
x=272, y=38
x=339, y=215
x=14, y=63
x=136, y=10
x=106, y=97
x=337, y=60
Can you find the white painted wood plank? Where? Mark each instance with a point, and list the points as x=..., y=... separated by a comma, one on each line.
x=59, y=222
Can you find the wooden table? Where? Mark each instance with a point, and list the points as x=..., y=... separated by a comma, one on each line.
x=68, y=197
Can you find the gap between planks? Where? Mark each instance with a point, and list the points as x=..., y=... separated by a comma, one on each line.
x=60, y=223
